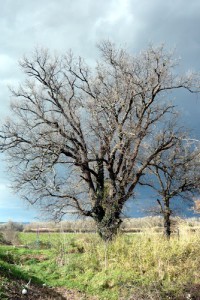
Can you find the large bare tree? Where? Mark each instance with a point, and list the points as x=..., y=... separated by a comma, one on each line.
x=174, y=173
x=81, y=138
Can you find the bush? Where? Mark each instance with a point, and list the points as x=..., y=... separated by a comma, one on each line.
x=13, y=226
x=2, y=240
x=11, y=237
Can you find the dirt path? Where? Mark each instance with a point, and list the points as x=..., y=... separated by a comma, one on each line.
x=13, y=291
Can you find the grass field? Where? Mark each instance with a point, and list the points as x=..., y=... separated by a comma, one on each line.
x=142, y=266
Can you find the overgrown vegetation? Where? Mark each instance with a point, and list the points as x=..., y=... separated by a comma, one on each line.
x=133, y=266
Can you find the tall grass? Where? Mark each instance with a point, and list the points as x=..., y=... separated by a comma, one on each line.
x=145, y=266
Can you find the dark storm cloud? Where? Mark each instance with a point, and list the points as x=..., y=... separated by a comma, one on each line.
x=176, y=23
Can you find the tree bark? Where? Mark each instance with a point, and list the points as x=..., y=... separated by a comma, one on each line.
x=108, y=222
x=167, y=225
x=167, y=222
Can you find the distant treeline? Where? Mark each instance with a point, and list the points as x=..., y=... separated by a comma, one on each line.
x=128, y=225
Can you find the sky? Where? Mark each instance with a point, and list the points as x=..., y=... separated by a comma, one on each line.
x=79, y=25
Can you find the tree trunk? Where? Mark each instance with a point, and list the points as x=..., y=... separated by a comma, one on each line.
x=167, y=222
x=108, y=222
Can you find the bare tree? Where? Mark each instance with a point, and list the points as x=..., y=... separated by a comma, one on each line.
x=81, y=138
x=174, y=173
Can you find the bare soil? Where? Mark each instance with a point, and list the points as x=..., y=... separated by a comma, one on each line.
x=13, y=291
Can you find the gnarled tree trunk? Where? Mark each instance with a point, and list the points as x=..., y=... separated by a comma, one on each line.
x=108, y=221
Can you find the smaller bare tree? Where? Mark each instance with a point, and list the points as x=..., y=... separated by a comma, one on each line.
x=172, y=174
